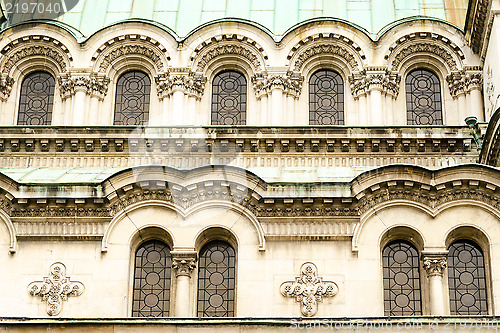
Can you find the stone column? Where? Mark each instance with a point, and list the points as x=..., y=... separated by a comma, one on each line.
x=183, y=263
x=434, y=264
x=474, y=85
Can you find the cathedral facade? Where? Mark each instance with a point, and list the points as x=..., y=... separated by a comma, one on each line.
x=225, y=174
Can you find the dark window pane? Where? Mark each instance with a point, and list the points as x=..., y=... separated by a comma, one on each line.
x=216, y=280
x=229, y=99
x=36, y=99
x=132, y=99
x=151, y=297
x=401, y=279
x=326, y=98
x=423, y=98
x=466, y=279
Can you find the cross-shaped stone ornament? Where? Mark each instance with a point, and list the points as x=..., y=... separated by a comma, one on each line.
x=309, y=289
x=55, y=288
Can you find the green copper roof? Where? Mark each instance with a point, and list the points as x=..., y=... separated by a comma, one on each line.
x=278, y=16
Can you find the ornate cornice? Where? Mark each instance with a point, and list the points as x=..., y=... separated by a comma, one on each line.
x=191, y=84
x=476, y=23
x=290, y=83
x=331, y=49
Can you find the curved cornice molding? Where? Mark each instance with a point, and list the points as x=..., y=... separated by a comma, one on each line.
x=228, y=44
x=127, y=45
x=490, y=152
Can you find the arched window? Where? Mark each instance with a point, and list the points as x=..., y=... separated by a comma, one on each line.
x=467, y=279
x=132, y=98
x=36, y=99
x=229, y=99
x=216, y=278
x=400, y=264
x=326, y=98
x=152, y=267
x=423, y=98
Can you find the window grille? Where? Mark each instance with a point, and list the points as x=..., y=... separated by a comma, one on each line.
x=401, y=279
x=229, y=99
x=36, y=99
x=132, y=99
x=326, y=98
x=216, y=279
x=152, y=277
x=423, y=98
x=467, y=279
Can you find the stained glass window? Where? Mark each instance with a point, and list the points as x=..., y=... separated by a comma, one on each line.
x=132, y=99
x=36, y=99
x=216, y=278
x=152, y=268
x=326, y=98
x=229, y=99
x=467, y=279
x=401, y=279
x=423, y=98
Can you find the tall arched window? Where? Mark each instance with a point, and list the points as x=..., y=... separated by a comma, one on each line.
x=132, y=98
x=400, y=264
x=467, y=279
x=216, y=279
x=152, y=277
x=326, y=98
x=36, y=99
x=423, y=98
x=229, y=99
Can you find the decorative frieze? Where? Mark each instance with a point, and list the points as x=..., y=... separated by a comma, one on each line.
x=308, y=289
x=55, y=288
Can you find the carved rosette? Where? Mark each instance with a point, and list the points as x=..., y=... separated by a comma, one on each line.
x=434, y=266
x=55, y=288
x=290, y=83
x=183, y=264
x=191, y=84
x=308, y=289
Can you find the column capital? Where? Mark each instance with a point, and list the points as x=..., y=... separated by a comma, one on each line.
x=190, y=83
x=434, y=262
x=183, y=262
x=290, y=83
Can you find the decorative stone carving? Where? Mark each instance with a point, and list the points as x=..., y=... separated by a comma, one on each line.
x=191, y=84
x=183, y=266
x=93, y=84
x=423, y=47
x=55, y=288
x=337, y=50
x=31, y=52
x=125, y=50
x=461, y=82
x=290, y=83
x=308, y=289
x=6, y=83
x=434, y=265
x=383, y=80
x=225, y=49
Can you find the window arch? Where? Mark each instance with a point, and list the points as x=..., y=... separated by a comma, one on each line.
x=229, y=98
x=423, y=98
x=216, y=280
x=467, y=279
x=152, y=277
x=36, y=99
x=326, y=98
x=402, y=296
x=133, y=89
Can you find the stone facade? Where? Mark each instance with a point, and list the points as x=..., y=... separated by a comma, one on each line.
x=308, y=210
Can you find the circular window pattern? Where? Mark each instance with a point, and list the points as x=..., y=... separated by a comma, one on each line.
x=36, y=99
x=229, y=89
x=326, y=98
x=423, y=98
x=132, y=99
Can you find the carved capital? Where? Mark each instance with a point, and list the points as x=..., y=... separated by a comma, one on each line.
x=183, y=262
x=6, y=83
x=382, y=79
x=290, y=83
x=473, y=81
x=93, y=84
x=434, y=265
x=191, y=84
x=456, y=83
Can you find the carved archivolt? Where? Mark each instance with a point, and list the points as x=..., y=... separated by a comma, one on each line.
x=217, y=46
x=424, y=47
x=127, y=45
x=326, y=49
